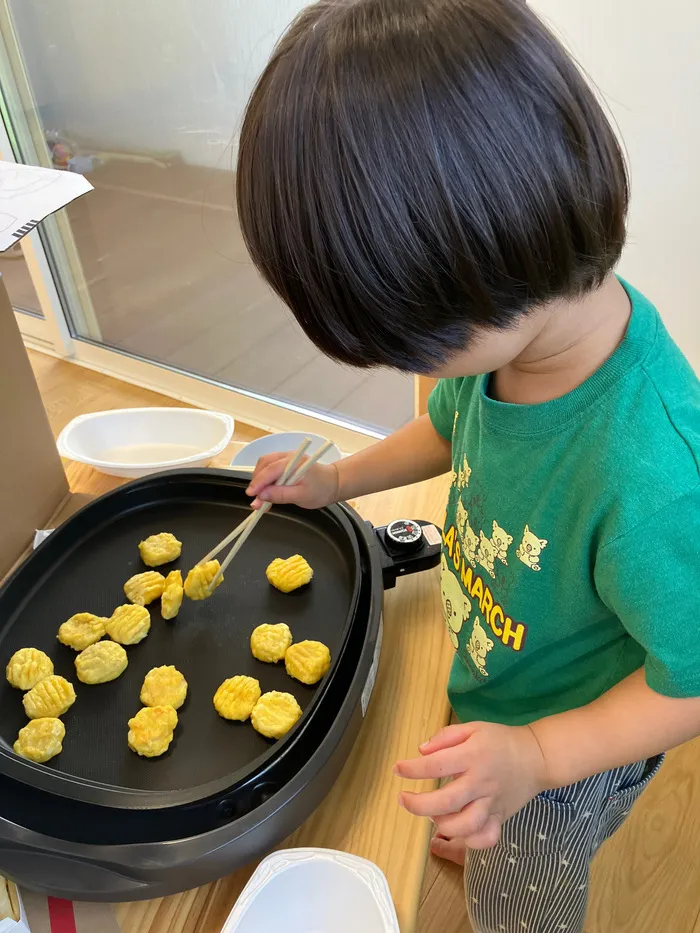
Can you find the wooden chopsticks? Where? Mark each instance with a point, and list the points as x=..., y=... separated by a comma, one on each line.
x=293, y=472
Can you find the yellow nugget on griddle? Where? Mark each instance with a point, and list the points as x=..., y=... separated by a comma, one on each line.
x=50, y=698
x=82, y=630
x=236, y=697
x=290, y=574
x=100, y=663
x=164, y=686
x=171, y=600
x=160, y=549
x=307, y=661
x=269, y=643
x=143, y=588
x=274, y=714
x=41, y=739
x=28, y=667
x=199, y=580
x=129, y=624
x=151, y=730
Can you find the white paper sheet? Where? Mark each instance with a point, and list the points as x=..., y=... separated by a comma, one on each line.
x=29, y=194
x=40, y=535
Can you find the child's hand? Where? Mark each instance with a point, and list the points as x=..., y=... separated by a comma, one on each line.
x=495, y=771
x=318, y=488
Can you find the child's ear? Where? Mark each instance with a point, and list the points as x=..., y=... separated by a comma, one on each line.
x=495, y=525
x=527, y=529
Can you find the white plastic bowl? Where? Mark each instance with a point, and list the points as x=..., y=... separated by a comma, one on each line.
x=314, y=891
x=133, y=442
x=249, y=454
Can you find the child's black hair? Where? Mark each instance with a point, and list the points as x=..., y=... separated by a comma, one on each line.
x=410, y=170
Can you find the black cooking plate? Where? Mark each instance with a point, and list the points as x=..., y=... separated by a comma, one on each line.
x=82, y=568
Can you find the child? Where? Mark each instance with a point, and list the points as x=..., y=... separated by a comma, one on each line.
x=431, y=185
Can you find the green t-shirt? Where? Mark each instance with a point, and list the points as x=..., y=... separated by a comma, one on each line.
x=571, y=549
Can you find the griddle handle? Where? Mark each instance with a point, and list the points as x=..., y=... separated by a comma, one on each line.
x=398, y=563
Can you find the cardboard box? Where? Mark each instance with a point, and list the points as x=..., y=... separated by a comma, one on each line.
x=34, y=492
x=34, y=484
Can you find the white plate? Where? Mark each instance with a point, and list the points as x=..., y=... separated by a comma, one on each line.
x=314, y=891
x=249, y=454
x=133, y=442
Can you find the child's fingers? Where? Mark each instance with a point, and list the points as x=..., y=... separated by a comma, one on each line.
x=441, y=764
x=265, y=473
x=267, y=470
x=452, y=850
x=468, y=823
x=281, y=495
x=448, y=799
x=447, y=738
x=266, y=460
x=488, y=837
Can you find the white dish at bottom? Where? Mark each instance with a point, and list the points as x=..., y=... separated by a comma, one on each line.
x=314, y=891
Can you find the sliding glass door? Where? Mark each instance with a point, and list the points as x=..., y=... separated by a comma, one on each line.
x=145, y=97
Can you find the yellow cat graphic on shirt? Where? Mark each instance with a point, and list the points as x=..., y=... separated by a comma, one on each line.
x=465, y=471
x=486, y=554
x=467, y=536
x=455, y=604
x=530, y=549
x=478, y=646
x=470, y=544
x=462, y=520
x=501, y=541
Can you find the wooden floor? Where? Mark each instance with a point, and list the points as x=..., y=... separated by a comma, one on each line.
x=645, y=880
x=170, y=280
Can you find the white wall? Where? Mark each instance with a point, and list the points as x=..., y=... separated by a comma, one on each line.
x=645, y=60
x=149, y=74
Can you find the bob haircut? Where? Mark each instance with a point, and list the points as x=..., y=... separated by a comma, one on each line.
x=411, y=172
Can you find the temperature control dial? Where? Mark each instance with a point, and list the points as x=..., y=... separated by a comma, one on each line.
x=405, y=535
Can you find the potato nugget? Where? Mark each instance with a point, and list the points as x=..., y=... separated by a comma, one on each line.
x=269, y=643
x=51, y=698
x=100, y=663
x=307, y=661
x=164, y=686
x=274, y=714
x=41, y=739
x=160, y=549
x=171, y=600
x=129, y=624
x=28, y=667
x=236, y=697
x=198, y=582
x=151, y=730
x=290, y=574
x=143, y=588
x=82, y=630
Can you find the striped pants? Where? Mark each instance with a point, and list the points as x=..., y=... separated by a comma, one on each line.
x=536, y=879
